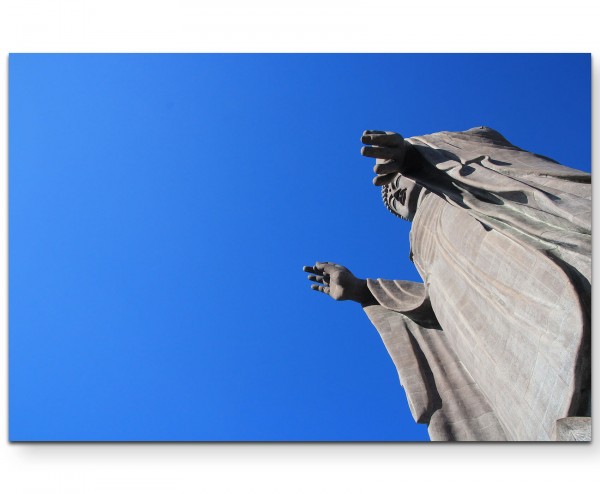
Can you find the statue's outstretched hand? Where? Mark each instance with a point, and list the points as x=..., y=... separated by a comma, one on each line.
x=389, y=149
x=338, y=282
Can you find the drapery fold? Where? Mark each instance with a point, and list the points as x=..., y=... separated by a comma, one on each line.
x=495, y=344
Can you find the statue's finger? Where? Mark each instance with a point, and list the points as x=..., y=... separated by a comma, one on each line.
x=325, y=267
x=321, y=265
x=320, y=288
x=369, y=132
x=390, y=139
x=385, y=167
x=383, y=153
x=380, y=180
x=312, y=269
x=318, y=279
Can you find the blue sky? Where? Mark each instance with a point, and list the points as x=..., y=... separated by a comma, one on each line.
x=162, y=207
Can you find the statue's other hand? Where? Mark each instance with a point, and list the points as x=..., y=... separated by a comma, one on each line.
x=337, y=282
x=383, y=144
x=389, y=149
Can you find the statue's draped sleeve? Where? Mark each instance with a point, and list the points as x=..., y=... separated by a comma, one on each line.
x=439, y=390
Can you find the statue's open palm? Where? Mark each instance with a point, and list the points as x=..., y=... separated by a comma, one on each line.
x=336, y=281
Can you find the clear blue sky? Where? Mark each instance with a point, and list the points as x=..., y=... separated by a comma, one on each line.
x=162, y=207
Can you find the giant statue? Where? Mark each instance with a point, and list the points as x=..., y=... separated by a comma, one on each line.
x=494, y=345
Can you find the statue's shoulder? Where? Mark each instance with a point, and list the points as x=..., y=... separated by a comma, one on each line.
x=486, y=133
x=482, y=135
x=447, y=149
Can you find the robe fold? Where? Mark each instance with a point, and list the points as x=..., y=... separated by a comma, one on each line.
x=495, y=343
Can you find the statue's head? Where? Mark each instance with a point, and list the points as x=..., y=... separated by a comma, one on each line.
x=400, y=196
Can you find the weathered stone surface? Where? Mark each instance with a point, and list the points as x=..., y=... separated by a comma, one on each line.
x=494, y=345
x=573, y=429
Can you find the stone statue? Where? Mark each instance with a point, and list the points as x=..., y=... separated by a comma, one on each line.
x=494, y=345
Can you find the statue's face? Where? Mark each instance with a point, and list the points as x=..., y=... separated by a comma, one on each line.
x=400, y=196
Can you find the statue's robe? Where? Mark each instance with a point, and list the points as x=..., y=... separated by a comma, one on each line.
x=495, y=344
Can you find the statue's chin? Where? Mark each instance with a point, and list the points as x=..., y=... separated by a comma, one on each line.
x=401, y=216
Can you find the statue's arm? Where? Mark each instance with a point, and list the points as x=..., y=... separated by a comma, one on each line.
x=407, y=297
x=383, y=302
x=393, y=154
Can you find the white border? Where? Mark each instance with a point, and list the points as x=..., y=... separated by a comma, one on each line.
x=307, y=26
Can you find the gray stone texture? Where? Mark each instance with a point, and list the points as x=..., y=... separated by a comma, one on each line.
x=573, y=429
x=494, y=345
